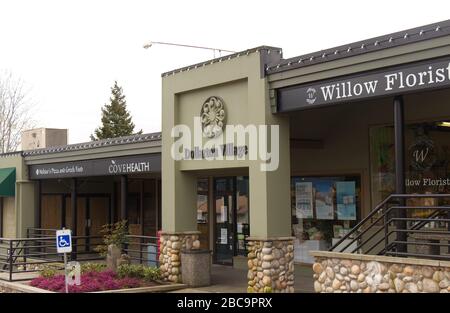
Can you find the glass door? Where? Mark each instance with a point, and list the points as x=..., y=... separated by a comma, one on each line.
x=231, y=195
x=203, y=212
x=224, y=207
x=242, y=215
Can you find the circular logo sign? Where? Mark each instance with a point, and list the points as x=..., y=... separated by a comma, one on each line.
x=423, y=155
x=212, y=117
x=311, y=95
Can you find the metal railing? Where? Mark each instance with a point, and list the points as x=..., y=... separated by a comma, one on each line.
x=142, y=249
x=19, y=256
x=27, y=255
x=403, y=230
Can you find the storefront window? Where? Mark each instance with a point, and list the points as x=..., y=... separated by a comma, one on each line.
x=427, y=157
x=323, y=210
x=150, y=209
x=202, y=212
x=242, y=218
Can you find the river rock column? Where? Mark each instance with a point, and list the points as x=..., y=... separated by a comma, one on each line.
x=271, y=265
x=170, y=247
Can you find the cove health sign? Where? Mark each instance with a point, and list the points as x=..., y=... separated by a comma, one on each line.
x=134, y=164
x=396, y=80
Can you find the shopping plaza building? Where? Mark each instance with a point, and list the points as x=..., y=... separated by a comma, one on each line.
x=343, y=130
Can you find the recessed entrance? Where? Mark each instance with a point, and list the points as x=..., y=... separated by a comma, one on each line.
x=231, y=207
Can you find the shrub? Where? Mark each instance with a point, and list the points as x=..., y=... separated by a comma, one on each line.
x=92, y=267
x=50, y=270
x=152, y=273
x=47, y=272
x=113, y=234
x=138, y=271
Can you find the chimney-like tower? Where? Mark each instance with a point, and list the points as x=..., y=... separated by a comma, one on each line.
x=43, y=138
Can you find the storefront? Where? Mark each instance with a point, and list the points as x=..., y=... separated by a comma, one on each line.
x=359, y=138
x=352, y=124
x=95, y=186
x=85, y=186
x=325, y=138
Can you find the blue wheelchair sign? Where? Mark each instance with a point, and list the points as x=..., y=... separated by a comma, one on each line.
x=64, y=241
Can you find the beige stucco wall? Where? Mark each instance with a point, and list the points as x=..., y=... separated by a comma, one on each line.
x=9, y=217
x=235, y=96
x=25, y=198
x=239, y=83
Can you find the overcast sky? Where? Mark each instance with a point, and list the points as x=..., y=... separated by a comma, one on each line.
x=70, y=52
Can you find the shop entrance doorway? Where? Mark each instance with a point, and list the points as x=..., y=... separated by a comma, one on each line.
x=232, y=218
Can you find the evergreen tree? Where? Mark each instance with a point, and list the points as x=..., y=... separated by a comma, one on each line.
x=116, y=120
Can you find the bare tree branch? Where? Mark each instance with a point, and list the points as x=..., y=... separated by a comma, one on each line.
x=15, y=111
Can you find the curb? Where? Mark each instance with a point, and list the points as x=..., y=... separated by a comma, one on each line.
x=20, y=287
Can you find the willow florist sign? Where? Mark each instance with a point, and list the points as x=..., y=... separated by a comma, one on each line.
x=387, y=81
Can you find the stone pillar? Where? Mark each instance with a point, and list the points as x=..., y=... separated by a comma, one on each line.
x=171, y=244
x=271, y=248
x=271, y=265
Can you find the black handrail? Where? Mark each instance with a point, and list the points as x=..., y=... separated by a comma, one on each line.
x=382, y=211
x=362, y=222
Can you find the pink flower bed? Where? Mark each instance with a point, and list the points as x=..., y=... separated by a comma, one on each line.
x=91, y=281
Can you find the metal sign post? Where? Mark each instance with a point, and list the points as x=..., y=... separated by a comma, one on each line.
x=65, y=273
x=64, y=245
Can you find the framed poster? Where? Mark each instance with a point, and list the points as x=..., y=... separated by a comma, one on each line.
x=346, y=200
x=223, y=236
x=303, y=200
x=324, y=200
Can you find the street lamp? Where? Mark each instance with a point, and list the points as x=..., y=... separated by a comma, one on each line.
x=151, y=43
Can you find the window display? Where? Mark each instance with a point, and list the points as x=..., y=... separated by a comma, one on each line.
x=427, y=161
x=346, y=206
x=303, y=200
x=323, y=210
x=325, y=193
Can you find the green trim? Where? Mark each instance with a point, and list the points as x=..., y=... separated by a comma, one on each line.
x=8, y=182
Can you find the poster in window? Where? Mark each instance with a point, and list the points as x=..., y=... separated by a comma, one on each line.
x=346, y=200
x=223, y=214
x=303, y=200
x=324, y=200
x=223, y=236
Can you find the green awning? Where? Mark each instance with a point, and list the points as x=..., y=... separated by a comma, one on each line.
x=7, y=182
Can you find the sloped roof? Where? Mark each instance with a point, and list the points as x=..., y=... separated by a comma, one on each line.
x=396, y=39
x=96, y=144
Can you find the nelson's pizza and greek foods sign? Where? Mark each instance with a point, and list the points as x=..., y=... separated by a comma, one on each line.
x=387, y=81
x=98, y=167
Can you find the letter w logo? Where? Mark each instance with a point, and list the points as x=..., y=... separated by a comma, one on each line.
x=420, y=155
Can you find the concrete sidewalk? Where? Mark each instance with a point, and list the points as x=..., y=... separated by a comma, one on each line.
x=226, y=279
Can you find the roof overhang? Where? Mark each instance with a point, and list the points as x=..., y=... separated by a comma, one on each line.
x=361, y=65
x=112, y=148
